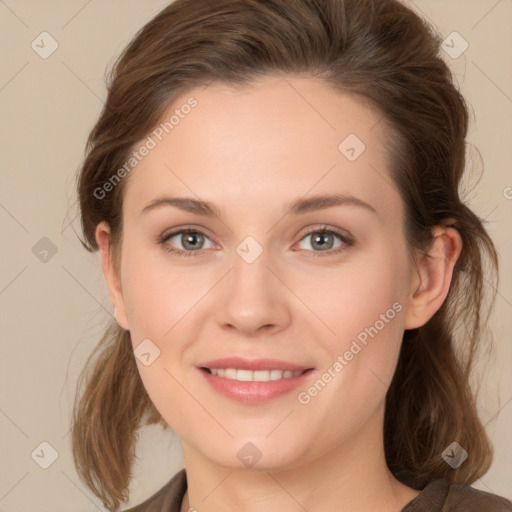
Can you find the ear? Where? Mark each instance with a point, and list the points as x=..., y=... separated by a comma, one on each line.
x=433, y=276
x=112, y=278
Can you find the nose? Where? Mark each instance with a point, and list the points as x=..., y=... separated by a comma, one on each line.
x=254, y=299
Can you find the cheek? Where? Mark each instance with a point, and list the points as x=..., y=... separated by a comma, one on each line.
x=360, y=360
x=370, y=333
x=158, y=294
x=360, y=299
x=159, y=304
x=365, y=308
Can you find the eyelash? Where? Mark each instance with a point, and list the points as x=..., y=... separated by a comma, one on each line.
x=347, y=242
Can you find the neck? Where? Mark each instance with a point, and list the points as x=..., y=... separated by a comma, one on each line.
x=353, y=476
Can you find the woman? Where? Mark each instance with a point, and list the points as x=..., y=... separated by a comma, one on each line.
x=273, y=188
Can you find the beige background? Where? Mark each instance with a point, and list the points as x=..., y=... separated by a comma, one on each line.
x=53, y=312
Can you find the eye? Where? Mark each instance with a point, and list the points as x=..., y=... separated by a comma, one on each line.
x=191, y=241
x=324, y=239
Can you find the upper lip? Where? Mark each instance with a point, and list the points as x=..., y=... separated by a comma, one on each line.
x=252, y=364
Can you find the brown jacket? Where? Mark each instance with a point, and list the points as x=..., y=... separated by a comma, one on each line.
x=436, y=496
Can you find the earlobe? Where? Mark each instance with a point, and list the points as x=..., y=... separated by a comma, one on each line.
x=112, y=279
x=433, y=276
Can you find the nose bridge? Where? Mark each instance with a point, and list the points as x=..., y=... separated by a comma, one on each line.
x=254, y=296
x=250, y=269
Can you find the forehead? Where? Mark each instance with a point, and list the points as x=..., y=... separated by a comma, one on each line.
x=279, y=138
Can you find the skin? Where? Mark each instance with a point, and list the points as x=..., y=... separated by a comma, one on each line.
x=251, y=151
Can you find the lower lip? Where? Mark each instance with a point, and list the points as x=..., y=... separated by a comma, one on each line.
x=254, y=392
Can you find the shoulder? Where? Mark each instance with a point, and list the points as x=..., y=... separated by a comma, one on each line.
x=466, y=498
x=167, y=499
x=441, y=496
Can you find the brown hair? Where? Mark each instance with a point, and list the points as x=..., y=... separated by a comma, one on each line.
x=386, y=54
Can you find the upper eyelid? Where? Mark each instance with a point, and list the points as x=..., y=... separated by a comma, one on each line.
x=179, y=231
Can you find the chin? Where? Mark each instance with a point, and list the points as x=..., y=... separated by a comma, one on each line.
x=254, y=454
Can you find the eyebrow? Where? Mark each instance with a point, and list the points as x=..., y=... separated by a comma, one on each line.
x=298, y=207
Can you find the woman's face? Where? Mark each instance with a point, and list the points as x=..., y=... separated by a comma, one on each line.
x=258, y=281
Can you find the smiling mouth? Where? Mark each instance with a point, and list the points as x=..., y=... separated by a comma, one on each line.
x=242, y=375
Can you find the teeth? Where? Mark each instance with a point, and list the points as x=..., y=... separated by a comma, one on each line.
x=254, y=376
